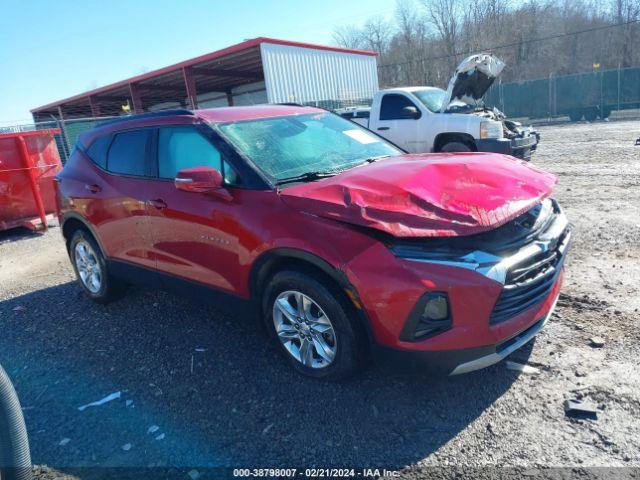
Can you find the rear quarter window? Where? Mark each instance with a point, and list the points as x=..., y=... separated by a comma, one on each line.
x=97, y=151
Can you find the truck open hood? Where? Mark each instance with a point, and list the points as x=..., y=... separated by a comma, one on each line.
x=427, y=195
x=472, y=79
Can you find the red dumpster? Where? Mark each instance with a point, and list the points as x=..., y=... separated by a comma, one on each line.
x=29, y=162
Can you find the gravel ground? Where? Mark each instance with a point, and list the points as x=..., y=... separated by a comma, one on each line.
x=200, y=388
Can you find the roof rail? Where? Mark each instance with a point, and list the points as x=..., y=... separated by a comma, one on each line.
x=161, y=113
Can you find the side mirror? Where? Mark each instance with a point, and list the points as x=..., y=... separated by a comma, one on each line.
x=199, y=180
x=410, y=112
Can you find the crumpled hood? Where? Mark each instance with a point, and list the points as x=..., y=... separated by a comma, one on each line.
x=427, y=195
x=472, y=79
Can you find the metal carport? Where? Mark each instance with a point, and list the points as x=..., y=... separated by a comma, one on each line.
x=260, y=70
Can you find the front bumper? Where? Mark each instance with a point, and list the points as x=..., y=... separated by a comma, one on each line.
x=456, y=362
x=497, y=303
x=520, y=147
x=506, y=348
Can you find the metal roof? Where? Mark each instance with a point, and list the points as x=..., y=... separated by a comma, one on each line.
x=218, y=71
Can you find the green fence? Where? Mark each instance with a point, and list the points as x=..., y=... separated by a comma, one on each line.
x=69, y=131
x=586, y=95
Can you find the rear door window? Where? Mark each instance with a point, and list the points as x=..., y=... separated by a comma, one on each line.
x=392, y=105
x=127, y=154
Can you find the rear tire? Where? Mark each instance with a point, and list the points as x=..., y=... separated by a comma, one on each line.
x=332, y=344
x=455, y=147
x=91, y=269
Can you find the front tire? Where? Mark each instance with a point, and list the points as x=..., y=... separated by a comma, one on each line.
x=313, y=326
x=455, y=147
x=575, y=115
x=91, y=270
x=591, y=114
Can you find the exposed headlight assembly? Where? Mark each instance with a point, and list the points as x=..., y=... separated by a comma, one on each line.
x=488, y=264
x=491, y=129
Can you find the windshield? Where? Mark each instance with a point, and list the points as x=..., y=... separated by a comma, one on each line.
x=295, y=145
x=431, y=98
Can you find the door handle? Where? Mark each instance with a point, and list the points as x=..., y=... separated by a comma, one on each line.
x=93, y=188
x=383, y=128
x=157, y=203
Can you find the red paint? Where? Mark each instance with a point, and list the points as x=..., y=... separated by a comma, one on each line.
x=216, y=237
x=28, y=164
x=199, y=180
x=429, y=194
x=390, y=287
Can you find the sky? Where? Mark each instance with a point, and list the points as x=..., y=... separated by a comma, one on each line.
x=54, y=49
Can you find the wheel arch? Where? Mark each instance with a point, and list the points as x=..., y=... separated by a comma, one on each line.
x=272, y=261
x=279, y=259
x=443, y=138
x=72, y=222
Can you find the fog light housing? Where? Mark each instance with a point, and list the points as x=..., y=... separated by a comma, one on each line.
x=437, y=308
x=430, y=316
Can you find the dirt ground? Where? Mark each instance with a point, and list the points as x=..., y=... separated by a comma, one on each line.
x=217, y=395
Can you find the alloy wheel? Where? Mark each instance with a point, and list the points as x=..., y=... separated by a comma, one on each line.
x=89, y=268
x=304, y=329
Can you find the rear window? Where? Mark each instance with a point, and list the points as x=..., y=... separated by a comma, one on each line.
x=97, y=151
x=127, y=153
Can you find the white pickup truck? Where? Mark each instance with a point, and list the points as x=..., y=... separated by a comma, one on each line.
x=429, y=119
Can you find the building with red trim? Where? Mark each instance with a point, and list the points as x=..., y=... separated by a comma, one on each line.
x=261, y=70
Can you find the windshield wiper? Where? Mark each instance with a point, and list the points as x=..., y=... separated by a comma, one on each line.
x=308, y=177
x=375, y=159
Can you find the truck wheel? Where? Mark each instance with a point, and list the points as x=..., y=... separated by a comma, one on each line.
x=310, y=322
x=590, y=114
x=606, y=113
x=575, y=115
x=455, y=147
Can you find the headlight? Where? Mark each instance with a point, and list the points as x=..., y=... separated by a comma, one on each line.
x=420, y=252
x=491, y=129
x=488, y=264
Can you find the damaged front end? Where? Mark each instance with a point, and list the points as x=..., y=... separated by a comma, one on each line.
x=469, y=247
x=467, y=87
x=518, y=140
x=525, y=250
x=436, y=195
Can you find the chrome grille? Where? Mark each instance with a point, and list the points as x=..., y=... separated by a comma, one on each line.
x=530, y=281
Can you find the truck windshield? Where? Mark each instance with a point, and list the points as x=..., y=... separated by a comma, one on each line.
x=295, y=145
x=431, y=98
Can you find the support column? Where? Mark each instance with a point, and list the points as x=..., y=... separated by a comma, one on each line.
x=95, y=106
x=135, y=98
x=35, y=188
x=229, y=98
x=190, y=86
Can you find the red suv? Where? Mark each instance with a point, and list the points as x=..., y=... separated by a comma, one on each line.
x=349, y=246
